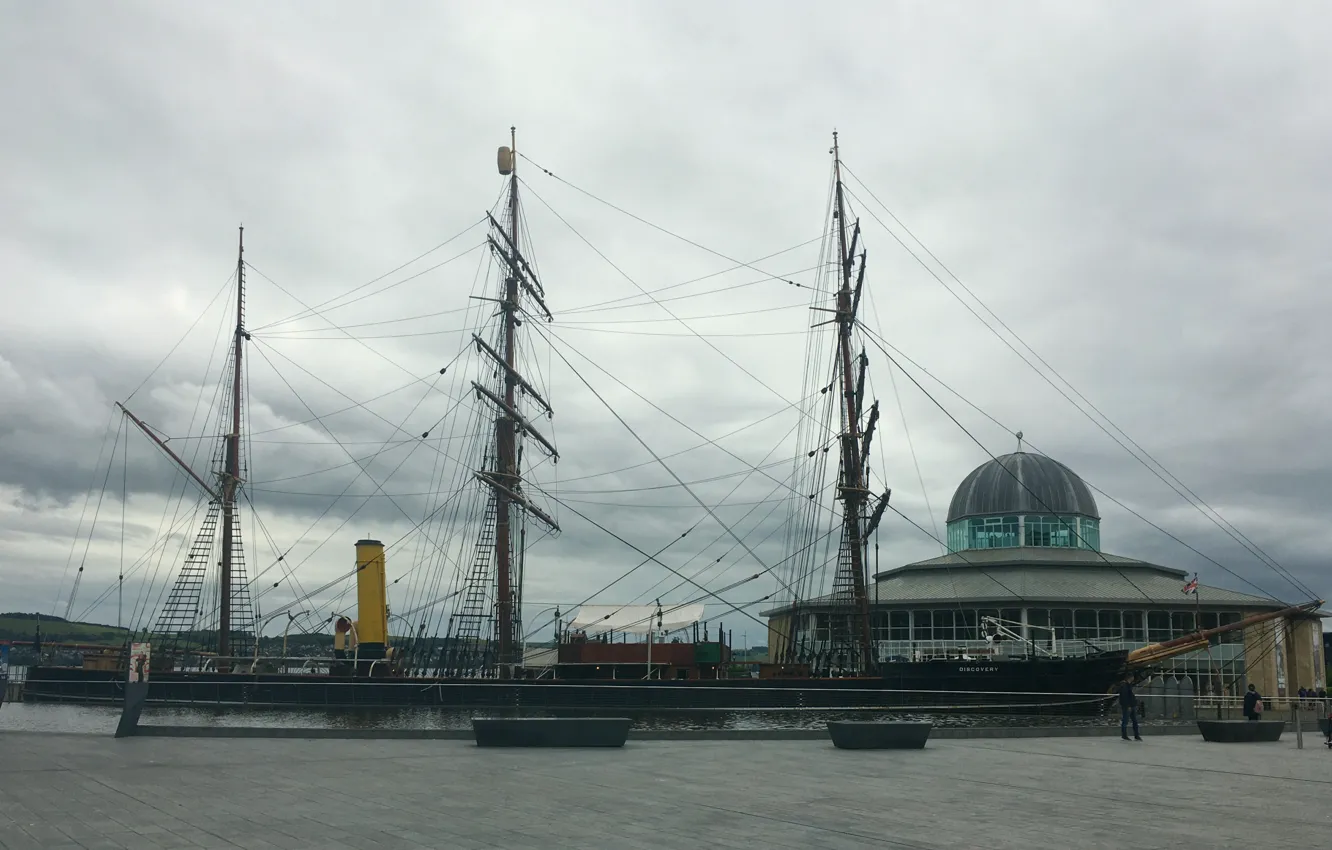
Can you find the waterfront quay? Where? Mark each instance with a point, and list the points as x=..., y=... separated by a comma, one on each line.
x=92, y=791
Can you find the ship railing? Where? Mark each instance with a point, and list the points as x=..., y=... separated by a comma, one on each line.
x=1233, y=704
x=924, y=650
x=731, y=696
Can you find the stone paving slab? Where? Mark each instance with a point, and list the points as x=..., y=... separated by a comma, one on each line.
x=83, y=791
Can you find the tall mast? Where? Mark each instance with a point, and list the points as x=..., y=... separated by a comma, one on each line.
x=505, y=449
x=852, y=491
x=505, y=479
x=230, y=476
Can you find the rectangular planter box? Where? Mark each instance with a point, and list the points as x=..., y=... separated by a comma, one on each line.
x=856, y=735
x=1241, y=731
x=550, y=731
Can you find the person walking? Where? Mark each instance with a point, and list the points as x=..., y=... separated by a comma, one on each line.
x=1253, y=704
x=1128, y=710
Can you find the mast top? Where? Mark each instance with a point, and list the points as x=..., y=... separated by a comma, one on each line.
x=508, y=155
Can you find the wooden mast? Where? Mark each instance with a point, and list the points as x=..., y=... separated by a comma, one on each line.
x=852, y=491
x=505, y=448
x=230, y=473
x=505, y=479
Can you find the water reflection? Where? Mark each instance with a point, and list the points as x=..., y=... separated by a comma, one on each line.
x=46, y=717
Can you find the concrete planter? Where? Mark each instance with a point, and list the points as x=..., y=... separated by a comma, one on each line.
x=550, y=731
x=1241, y=731
x=857, y=735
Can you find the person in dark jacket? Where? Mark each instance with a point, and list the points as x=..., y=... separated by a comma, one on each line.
x=1128, y=710
x=1251, y=700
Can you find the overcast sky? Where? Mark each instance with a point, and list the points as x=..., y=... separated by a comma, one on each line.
x=1139, y=191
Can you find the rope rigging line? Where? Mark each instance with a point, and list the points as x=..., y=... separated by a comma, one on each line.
x=191, y=458
x=906, y=430
x=69, y=605
x=1145, y=458
x=333, y=324
x=679, y=482
x=552, y=336
x=591, y=308
x=140, y=562
x=640, y=288
x=670, y=233
x=310, y=310
x=281, y=558
x=696, y=523
x=884, y=346
x=766, y=500
x=614, y=303
x=361, y=404
x=225, y=286
x=1071, y=528
x=664, y=466
x=78, y=529
x=677, y=573
x=363, y=467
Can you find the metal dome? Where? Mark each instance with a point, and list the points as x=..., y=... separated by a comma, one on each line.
x=1022, y=483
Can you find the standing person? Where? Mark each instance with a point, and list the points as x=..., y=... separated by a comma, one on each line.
x=1128, y=710
x=1253, y=704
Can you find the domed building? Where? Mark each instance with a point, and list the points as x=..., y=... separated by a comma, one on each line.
x=1025, y=560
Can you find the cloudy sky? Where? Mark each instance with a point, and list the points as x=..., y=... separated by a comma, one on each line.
x=1139, y=192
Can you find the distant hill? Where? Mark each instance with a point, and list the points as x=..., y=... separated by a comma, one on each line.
x=20, y=626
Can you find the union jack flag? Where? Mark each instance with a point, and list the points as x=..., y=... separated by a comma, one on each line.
x=1191, y=587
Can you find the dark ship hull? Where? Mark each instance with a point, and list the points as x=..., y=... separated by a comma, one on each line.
x=1069, y=685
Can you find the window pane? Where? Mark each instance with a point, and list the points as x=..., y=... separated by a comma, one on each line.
x=879, y=625
x=1038, y=617
x=966, y=625
x=1133, y=626
x=1084, y=623
x=1181, y=623
x=1061, y=620
x=1109, y=626
x=1235, y=636
x=1050, y=530
x=923, y=626
x=899, y=625
x=1158, y=625
x=943, y=625
x=1090, y=530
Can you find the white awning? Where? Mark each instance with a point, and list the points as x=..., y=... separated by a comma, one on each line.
x=635, y=619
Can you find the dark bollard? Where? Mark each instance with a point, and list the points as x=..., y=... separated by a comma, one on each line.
x=136, y=694
x=859, y=735
x=1241, y=731
x=550, y=731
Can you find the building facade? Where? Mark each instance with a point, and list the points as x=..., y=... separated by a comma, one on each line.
x=1025, y=563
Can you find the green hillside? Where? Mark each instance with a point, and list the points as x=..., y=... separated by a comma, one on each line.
x=18, y=626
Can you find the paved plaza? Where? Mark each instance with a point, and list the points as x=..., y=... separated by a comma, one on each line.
x=85, y=791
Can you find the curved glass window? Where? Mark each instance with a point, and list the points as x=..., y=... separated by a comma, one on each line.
x=996, y=532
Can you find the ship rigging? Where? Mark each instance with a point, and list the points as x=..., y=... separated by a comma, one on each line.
x=487, y=507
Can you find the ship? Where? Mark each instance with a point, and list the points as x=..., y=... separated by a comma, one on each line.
x=629, y=657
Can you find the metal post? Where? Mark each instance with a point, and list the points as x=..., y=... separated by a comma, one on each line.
x=1291, y=677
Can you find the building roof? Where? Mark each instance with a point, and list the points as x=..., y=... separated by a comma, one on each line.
x=1043, y=576
x=1022, y=483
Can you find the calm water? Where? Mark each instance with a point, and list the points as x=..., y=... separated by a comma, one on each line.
x=49, y=717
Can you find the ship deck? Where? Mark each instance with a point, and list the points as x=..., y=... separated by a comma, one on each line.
x=85, y=791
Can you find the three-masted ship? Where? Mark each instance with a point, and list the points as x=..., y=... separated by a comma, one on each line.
x=615, y=657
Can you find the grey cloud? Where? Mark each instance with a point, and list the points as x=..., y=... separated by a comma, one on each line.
x=1141, y=199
